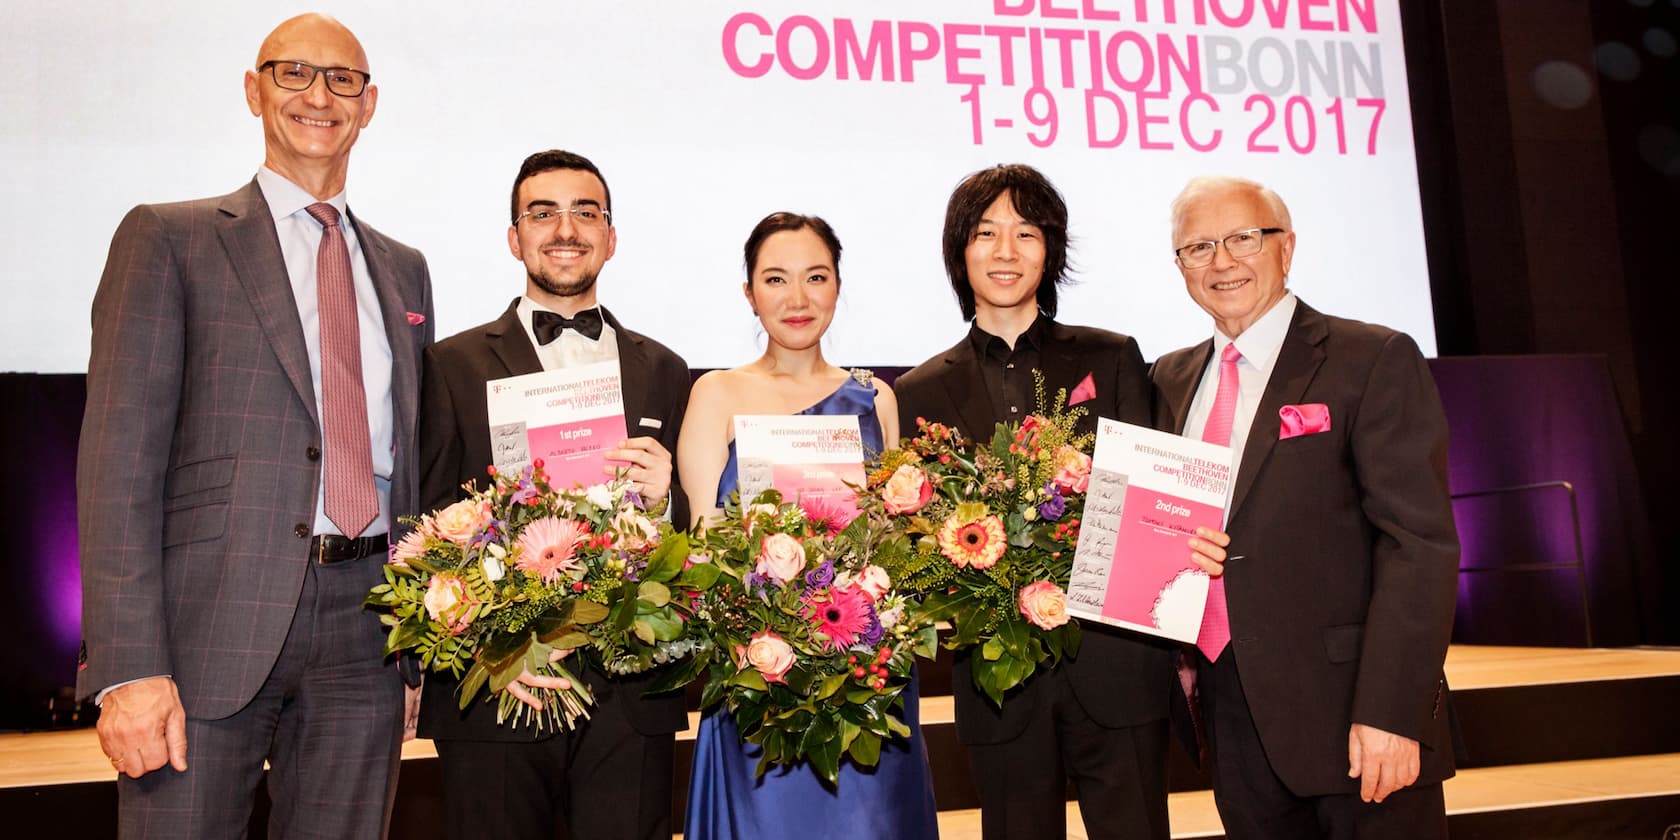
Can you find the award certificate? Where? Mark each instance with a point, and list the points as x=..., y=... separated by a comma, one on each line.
x=568, y=418
x=1149, y=491
x=802, y=455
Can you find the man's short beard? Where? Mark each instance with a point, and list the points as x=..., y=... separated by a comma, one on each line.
x=583, y=284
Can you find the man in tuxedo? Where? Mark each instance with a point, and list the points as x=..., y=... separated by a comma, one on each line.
x=610, y=778
x=1100, y=719
x=248, y=443
x=1320, y=666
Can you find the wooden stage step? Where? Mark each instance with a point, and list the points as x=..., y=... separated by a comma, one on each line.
x=1472, y=796
x=1556, y=737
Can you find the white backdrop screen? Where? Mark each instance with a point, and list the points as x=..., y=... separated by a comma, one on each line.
x=705, y=116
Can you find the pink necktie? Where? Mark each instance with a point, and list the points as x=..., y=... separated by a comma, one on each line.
x=1216, y=627
x=351, y=500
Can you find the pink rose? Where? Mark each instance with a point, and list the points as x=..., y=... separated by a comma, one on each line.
x=460, y=521
x=445, y=602
x=907, y=491
x=1044, y=604
x=874, y=582
x=771, y=656
x=1073, y=470
x=780, y=557
x=411, y=547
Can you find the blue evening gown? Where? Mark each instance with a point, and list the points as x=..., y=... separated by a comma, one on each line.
x=892, y=800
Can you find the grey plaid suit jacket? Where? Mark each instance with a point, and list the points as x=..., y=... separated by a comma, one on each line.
x=199, y=460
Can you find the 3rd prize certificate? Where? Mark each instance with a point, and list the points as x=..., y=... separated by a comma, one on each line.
x=802, y=456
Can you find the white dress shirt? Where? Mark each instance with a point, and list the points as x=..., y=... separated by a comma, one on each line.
x=1259, y=346
x=300, y=243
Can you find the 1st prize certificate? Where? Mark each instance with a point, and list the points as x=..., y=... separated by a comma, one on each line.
x=568, y=418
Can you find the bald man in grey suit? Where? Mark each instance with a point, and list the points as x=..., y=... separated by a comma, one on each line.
x=222, y=581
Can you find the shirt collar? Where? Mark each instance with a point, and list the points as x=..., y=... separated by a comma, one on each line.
x=1032, y=339
x=286, y=198
x=1263, y=340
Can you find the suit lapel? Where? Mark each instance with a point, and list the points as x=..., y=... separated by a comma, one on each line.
x=1178, y=382
x=633, y=366
x=967, y=391
x=247, y=232
x=510, y=345
x=1298, y=362
x=405, y=363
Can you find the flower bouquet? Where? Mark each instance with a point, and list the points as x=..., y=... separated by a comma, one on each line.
x=501, y=581
x=989, y=532
x=812, y=647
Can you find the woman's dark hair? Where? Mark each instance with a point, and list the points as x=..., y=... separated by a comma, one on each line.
x=1035, y=199
x=781, y=221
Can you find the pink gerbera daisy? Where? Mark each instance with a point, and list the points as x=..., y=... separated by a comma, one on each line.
x=840, y=613
x=826, y=513
x=548, y=545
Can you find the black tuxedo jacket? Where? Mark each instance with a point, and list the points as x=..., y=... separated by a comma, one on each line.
x=1344, y=559
x=455, y=449
x=1120, y=678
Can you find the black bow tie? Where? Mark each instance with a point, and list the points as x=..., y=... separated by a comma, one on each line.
x=547, y=325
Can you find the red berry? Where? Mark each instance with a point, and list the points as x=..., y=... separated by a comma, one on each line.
x=858, y=672
x=537, y=463
x=851, y=660
x=491, y=469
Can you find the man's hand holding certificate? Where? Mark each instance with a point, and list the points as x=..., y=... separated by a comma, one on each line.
x=1149, y=493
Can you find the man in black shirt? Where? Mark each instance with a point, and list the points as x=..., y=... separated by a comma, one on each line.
x=1100, y=719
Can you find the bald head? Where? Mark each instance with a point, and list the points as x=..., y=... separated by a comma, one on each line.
x=308, y=131
x=1209, y=187
x=307, y=30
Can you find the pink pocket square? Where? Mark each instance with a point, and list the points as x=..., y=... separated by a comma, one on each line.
x=1085, y=390
x=415, y=319
x=1304, y=419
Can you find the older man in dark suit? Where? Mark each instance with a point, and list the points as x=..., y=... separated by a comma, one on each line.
x=1320, y=664
x=249, y=442
x=612, y=776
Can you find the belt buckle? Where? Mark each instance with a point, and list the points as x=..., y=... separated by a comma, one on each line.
x=324, y=554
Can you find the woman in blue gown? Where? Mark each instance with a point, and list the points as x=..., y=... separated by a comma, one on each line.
x=793, y=281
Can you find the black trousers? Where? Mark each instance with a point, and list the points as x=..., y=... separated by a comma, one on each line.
x=1120, y=774
x=1253, y=802
x=603, y=780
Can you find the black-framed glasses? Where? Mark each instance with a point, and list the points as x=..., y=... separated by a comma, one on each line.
x=547, y=216
x=1243, y=243
x=299, y=75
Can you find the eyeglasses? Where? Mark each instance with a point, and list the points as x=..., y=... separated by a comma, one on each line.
x=587, y=215
x=1243, y=243
x=298, y=75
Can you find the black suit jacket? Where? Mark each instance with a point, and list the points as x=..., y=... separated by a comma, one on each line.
x=1120, y=678
x=455, y=449
x=1343, y=572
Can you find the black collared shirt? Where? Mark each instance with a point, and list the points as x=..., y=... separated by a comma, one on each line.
x=1007, y=370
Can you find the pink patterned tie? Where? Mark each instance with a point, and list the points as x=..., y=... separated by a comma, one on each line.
x=1216, y=626
x=351, y=500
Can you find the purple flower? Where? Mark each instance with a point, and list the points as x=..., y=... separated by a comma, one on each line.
x=523, y=493
x=634, y=497
x=874, y=632
x=1053, y=507
x=755, y=581
x=821, y=576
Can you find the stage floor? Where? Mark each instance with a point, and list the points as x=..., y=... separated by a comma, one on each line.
x=47, y=759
